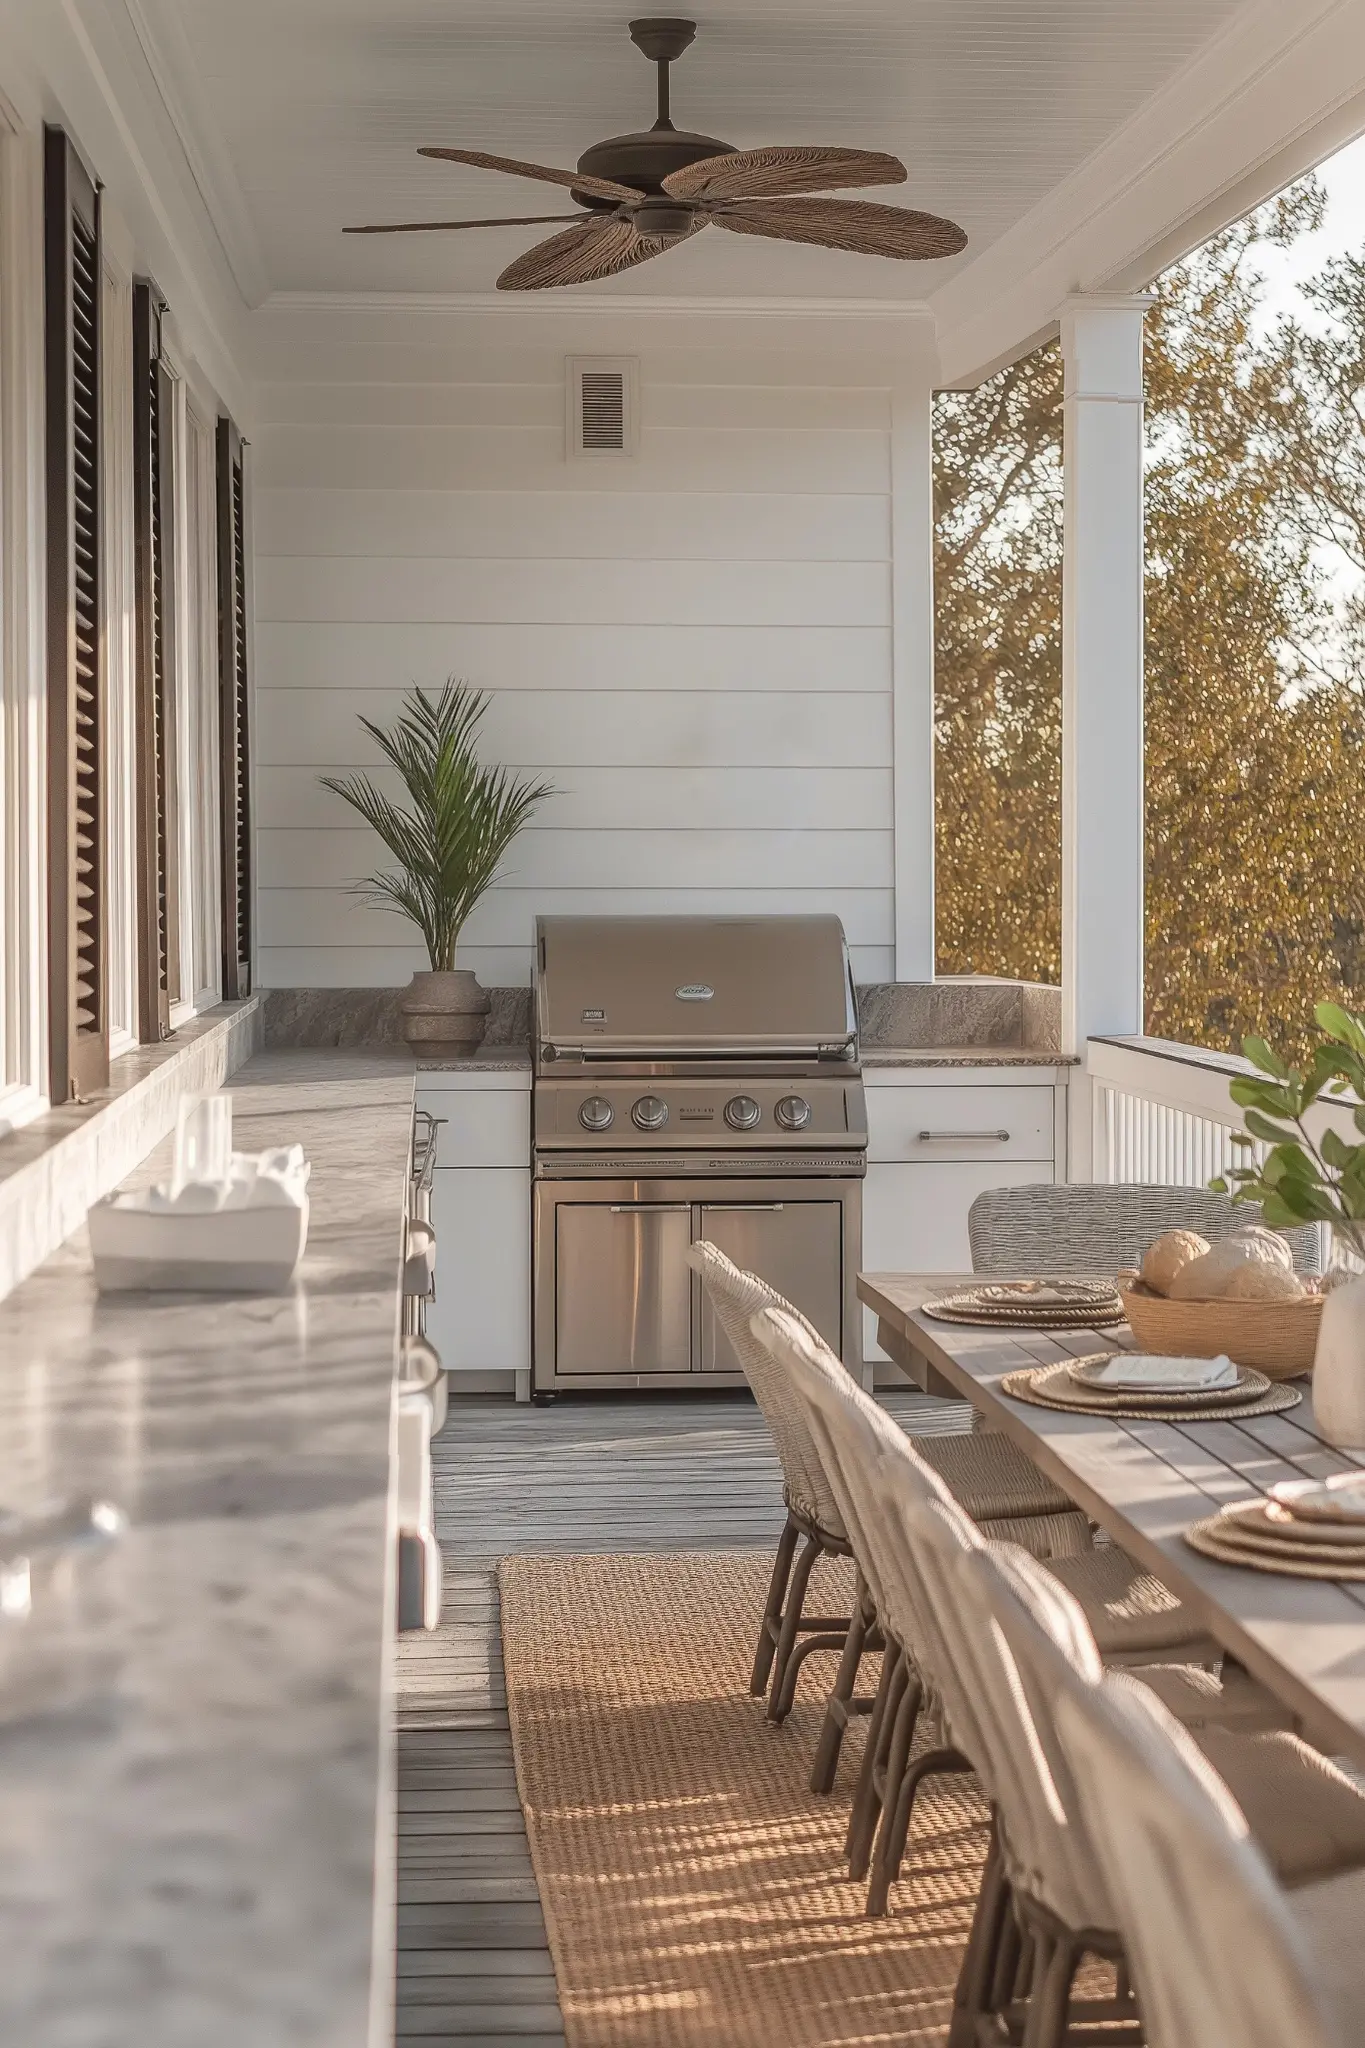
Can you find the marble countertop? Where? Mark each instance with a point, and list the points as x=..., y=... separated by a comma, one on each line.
x=962, y=1056
x=197, y=1855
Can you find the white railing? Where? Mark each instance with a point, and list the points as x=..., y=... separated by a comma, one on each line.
x=1161, y=1112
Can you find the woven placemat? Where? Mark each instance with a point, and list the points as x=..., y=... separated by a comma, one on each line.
x=1206, y=1537
x=1023, y=1318
x=1052, y=1386
x=992, y=1308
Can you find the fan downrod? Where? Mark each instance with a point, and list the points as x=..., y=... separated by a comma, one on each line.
x=663, y=38
x=643, y=161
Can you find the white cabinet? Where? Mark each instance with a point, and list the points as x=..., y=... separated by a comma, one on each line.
x=937, y=1140
x=480, y=1321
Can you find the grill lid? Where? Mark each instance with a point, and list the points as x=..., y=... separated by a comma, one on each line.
x=694, y=984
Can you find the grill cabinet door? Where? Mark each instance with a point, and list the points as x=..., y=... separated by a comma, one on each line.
x=623, y=1287
x=797, y=1247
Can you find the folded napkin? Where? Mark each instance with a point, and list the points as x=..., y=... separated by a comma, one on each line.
x=1341, y=1498
x=1136, y=1369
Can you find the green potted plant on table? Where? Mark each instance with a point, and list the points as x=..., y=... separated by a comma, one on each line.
x=1303, y=1180
x=449, y=842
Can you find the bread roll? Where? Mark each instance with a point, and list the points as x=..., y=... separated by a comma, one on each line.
x=1166, y=1257
x=1255, y=1282
x=1266, y=1245
x=1207, y=1279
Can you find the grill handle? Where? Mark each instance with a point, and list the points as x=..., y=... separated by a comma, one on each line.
x=741, y=1208
x=977, y=1137
x=650, y=1208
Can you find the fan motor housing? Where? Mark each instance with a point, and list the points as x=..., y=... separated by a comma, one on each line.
x=643, y=161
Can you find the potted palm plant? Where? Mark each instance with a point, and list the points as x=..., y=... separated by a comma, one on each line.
x=449, y=842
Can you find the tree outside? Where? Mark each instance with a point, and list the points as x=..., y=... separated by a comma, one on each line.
x=1255, y=721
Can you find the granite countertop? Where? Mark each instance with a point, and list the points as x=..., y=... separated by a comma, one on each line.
x=963, y=1056
x=190, y=1853
x=488, y=1059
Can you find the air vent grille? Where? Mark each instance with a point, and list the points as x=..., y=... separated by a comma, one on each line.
x=604, y=410
x=602, y=406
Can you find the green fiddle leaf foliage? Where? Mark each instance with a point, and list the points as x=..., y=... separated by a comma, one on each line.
x=1263, y=1127
x=1340, y=1025
x=1274, y=1098
x=1337, y=1152
x=1263, y=1056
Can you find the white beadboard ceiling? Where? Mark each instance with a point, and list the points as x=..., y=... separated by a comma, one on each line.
x=315, y=109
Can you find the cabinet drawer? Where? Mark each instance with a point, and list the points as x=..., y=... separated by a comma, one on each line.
x=483, y=1127
x=959, y=1123
x=915, y=1218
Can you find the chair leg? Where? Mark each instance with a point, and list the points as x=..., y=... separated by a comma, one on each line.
x=791, y=1619
x=862, y=1821
x=772, y=1613
x=900, y=1736
x=976, y=1978
x=827, y=1750
x=1045, y=1950
x=895, y=1826
x=1050, y=2005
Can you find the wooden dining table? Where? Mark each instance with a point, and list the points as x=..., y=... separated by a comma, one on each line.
x=1147, y=1481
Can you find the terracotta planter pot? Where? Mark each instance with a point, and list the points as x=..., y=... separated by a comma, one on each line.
x=445, y=1015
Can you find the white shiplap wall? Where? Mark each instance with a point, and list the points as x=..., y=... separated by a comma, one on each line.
x=698, y=645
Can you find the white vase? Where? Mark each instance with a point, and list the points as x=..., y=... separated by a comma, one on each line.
x=1339, y=1367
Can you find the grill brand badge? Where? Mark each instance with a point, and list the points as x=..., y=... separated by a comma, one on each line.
x=694, y=992
x=594, y=1016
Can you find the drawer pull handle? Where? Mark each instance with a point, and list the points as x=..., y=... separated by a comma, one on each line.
x=742, y=1208
x=976, y=1137
x=650, y=1208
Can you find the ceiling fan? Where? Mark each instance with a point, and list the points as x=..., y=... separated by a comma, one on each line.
x=643, y=193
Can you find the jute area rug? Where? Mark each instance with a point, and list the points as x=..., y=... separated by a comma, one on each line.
x=693, y=1886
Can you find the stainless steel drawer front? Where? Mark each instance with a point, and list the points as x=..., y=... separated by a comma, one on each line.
x=795, y=1246
x=623, y=1287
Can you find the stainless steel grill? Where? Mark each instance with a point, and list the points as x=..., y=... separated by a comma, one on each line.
x=694, y=1077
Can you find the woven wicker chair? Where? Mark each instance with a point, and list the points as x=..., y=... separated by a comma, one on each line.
x=1064, y=1885
x=1224, y=1954
x=1135, y=1618
x=995, y=1482
x=1081, y=1228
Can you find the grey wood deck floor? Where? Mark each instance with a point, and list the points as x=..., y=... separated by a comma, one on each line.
x=695, y=1472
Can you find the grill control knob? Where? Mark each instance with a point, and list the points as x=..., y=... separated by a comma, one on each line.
x=650, y=1113
x=793, y=1112
x=596, y=1113
x=742, y=1112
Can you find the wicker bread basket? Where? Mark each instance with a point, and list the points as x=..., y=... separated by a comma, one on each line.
x=1277, y=1337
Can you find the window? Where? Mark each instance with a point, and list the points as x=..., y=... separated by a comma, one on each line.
x=78, y=1018
x=234, y=738
x=202, y=949
x=23, y=869
x=156, y=754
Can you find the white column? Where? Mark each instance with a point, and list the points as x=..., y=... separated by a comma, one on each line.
x=912, y=673
x=1101, y=682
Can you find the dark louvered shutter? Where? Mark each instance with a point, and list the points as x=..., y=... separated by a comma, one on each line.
x=234, y=750
x=78, y=1030
x=158, y=831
